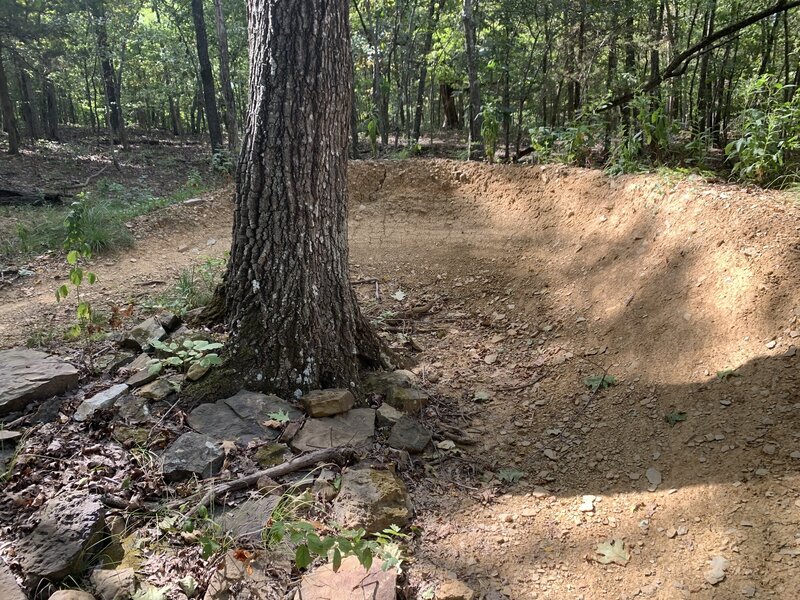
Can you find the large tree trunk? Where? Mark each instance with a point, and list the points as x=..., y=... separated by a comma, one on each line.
x=28, y=111
x=451, y=120
x=225, y=76
x=475, y=146
x=206, y=76
x=294, y=321
x=7, y=108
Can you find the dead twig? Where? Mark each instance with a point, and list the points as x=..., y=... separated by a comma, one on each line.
x=89, y=179
x=326, y=455
x=522, y=386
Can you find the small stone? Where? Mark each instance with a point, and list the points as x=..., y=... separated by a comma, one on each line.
x=141, y=378
x=270, y=455
x=762, y=472
x=387, y=415
x=769, y=449
x=409, y=434
x=771, y=344
x=551, y=454
x=350, y=581
x=748, y=590
x=452, y=589
x=197, y=371
x=587, y=504
x=157, y=390
x=717, y=570
x=328, y=403
x=114, y=584
x=540, y=492
x=353, y=428
x=490, y=359
x=408, y=400
x=71, y=595
x=372, y=499
x=671, y=532
x=795, y=454
x=192, y=454
x=102, y=400
x=654, y=477
x=139, y=337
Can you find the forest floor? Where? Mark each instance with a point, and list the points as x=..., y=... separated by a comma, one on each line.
x=533, y=280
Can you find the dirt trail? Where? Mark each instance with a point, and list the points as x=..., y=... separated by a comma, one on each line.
x=561, y=274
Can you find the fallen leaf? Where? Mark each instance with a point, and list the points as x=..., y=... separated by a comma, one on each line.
x=446, y=445
x=612, y=552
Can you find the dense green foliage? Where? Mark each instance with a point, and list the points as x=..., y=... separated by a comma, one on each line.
x=582, y=81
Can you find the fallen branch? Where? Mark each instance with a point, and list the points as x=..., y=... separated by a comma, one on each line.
x=326, y=455
x=89, y=180
x=522, y=386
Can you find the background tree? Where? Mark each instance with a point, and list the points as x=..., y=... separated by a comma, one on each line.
x=293, y=316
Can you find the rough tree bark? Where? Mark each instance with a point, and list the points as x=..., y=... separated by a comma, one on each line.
x=293, y=318
x=206, y=76
x=7, y=108
x=225, y=76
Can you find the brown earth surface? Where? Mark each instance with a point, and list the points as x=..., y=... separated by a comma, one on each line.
x=533, y=279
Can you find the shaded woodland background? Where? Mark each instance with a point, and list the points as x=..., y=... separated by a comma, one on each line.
x=621, y=83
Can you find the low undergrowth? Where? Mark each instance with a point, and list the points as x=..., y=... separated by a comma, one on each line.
x=26, y=231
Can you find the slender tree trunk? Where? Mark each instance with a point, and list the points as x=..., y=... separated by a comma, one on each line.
x=28, y=112
x=468, y=17
x=7, y=107
x=206, y=76
x=294, y=321
x=107, y=69
x=225, y=77
x=434, y=10
x=50, y=109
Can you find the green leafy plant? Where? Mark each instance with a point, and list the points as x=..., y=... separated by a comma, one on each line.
x=185, y=355
x=510, y=475
x=490, y=130
x=372, y=133
x=600, y=382
x=309, y=543
x=769, y=133
x=675, y=417
x=78, y=252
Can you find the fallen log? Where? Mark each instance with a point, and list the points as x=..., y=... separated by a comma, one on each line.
x=31, y=198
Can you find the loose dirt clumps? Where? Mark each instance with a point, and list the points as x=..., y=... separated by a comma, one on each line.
x=612, y=367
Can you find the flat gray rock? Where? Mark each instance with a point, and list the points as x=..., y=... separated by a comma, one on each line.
x=350, y=429
x=373, y=499
x=248, y=520
x=9, y=590
x=139, y=337
x=219, y=421
x=409, y=434
x=27, y=375
x=407, y=399
x=256, y=407
x=192, y=454
x=69, y=528
x=104, y=399
x=388, y=415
